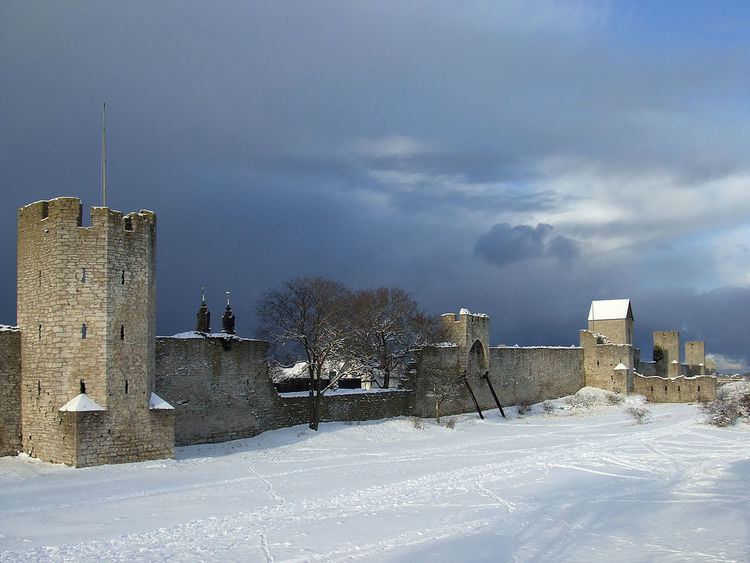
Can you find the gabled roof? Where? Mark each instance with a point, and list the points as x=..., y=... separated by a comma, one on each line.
x=610, y=309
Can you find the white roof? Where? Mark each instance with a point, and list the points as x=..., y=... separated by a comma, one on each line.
x=81, y=403
x=157, y=403
x=610, y=309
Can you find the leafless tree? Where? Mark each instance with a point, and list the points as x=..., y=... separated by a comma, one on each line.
x=441, y=385
x=387, y=326
x=310, y=314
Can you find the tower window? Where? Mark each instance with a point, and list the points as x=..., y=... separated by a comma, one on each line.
x=122, y=278
x=45, y=209
x=126, y=386
x=38, y=388
x=83, y=386
x=40, y=277
x=84, y=330
x=40, y=332
x=83, y=275
x=128, y=223
x=122, y=332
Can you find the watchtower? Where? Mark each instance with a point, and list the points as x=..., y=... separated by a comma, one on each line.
x=86, y=311
x=612, y=318
x=668, y=341
x=471, y=332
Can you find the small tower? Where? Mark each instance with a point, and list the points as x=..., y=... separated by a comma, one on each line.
x=203, y=323
x=471, y=332
x=612, y=318
x=227, y=319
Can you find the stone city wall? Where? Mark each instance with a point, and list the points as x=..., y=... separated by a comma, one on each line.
x=518, y=375
x=221, y=390
x=601, y=358
x=676, y=390
x=10, y=391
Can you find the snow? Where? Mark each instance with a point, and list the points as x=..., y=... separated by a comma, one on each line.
x=8, y=328
x=341, y=392
x=157, y=403
x=193, y=334
x=610, y=309
x=621, y=367
x=81, y=403
x=583, y=482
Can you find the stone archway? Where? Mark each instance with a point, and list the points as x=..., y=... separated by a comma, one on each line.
x=476, y=363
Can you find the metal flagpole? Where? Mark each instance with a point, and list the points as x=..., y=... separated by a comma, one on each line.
x=104, y=154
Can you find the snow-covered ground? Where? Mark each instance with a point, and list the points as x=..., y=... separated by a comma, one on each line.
x=580, y=484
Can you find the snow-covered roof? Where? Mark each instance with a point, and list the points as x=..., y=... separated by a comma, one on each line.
x=81, y=403
x=610, y=309
x=157, y=403
x=8, y=328
x=194, y=334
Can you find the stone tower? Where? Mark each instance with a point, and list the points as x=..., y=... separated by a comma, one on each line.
x=695, y=357
x=471, y=331
x=86, y=311
x=612, y=318
x=669, y=342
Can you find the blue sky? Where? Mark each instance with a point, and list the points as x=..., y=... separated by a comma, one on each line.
x=516, y=158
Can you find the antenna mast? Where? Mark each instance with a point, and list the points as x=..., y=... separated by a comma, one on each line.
x=104, y=154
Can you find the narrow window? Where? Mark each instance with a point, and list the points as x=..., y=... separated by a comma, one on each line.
x=83, y=330
x=45, y=209
x=83, y=386
x=122, y=278
x=128, y=223
x=83, y=275
x=665, y=388
x=40, y=332
x=126, y=386
x=699, y=388
x=678, y=388
x=652, y=389
x=122, y=332
x=38, y=388
x=40, y=277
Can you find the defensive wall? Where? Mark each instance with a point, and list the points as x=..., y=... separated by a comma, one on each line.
x=601, y=357
x=676, y=390
x=10, y=393
x=517, y=375
x=221, y=390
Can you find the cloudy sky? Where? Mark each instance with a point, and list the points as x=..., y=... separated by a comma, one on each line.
x=516, y=158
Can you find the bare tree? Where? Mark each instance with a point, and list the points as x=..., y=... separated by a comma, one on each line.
x=310, y=314
x=386, y=327
x=441, y=386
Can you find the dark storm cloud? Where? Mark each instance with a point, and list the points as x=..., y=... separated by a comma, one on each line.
x=504, y=244
x=262, y=135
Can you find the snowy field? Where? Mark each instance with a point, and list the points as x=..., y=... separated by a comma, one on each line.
x=585, y=484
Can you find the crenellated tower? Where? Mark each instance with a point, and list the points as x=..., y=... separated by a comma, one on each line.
x=471, y=332
x=86, y=311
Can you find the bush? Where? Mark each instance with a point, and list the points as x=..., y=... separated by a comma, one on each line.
x=451, y=423
x=732, y=403
x=548, y=406
x=417, y=422
x=639, y=414
x=523, y=407
x=614, y=398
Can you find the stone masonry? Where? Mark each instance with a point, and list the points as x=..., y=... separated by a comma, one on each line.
x=86, y=312
x=10, y=381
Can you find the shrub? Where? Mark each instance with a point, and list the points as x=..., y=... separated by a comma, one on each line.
x=451, y=423
x=614, y=398
x=639, y=414
x=523, y=407
x=417, y=422
x=732, y=402
x=548, y=406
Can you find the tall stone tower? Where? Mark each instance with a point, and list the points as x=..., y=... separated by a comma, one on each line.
x=669, y=343
x=86, y=311
x=612, y=318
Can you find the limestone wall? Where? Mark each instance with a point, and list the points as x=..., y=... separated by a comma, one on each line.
x=617, y=331
x=221, y=390
x=10, y=391
x=669, y=342
x=518, y=375
x=600, y=360
x=676, y=390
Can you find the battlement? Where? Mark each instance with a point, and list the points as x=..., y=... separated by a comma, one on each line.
x=66, y=213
